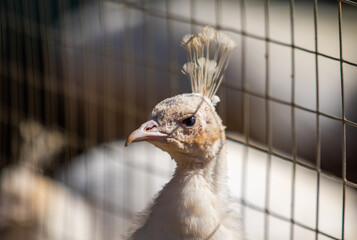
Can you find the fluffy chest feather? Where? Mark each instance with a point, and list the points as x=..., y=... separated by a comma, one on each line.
x=188, y=208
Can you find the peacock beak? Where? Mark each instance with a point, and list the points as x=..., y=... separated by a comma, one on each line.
x=148, y=131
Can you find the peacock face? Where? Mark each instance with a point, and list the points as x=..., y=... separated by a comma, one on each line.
x=186, y=125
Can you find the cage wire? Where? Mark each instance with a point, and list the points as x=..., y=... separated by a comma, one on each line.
x=79, y=73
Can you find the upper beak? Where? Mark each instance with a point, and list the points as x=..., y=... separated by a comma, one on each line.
x=146, y=132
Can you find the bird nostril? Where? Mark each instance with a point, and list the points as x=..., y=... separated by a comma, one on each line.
x=150, y=128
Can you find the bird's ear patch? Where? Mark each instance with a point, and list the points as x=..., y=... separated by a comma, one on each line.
x=205, y=138
x=215, y=100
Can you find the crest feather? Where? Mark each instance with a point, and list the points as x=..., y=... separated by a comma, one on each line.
x=206, y=72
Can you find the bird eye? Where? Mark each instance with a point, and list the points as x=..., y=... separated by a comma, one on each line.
x=189, y=122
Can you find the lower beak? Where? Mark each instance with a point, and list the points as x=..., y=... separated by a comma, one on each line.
x=148, y=131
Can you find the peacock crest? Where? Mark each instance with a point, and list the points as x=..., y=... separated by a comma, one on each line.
x=208, y=56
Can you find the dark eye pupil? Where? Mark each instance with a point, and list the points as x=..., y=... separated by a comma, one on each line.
x=189, y=122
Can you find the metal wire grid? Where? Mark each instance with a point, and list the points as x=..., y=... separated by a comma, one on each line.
x=53, y=93
x=268, y=149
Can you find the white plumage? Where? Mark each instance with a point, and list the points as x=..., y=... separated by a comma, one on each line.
x=195, y=204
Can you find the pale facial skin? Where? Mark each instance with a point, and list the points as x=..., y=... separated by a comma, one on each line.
x=185, y=126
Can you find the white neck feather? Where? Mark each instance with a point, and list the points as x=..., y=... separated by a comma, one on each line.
x=212, y=172
x=192, y=205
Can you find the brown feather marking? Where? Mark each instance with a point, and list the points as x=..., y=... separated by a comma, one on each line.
x=204, y=138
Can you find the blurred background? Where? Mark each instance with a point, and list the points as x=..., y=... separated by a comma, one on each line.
x=77, y=76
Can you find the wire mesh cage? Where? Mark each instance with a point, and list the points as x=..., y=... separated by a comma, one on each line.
x=82, y=74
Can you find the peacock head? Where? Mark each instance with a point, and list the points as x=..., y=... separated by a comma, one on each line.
x=187, y=125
